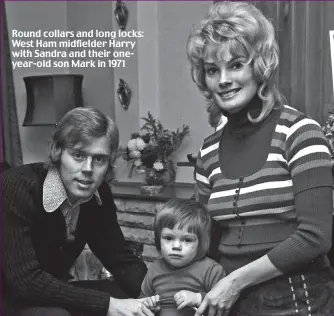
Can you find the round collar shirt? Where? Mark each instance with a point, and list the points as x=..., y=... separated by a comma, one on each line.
x=55, y=197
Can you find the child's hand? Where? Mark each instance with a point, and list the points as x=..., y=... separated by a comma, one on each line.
x=187, y=298
x=152, y=303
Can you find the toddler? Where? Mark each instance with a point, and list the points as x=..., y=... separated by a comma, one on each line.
x=177, y=282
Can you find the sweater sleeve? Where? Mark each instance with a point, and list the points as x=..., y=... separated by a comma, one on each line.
x=147, y=285
x=107, y=242
x=213, y=275
x=309, y=162
x=23, y=274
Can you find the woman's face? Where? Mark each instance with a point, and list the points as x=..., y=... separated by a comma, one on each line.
x=230, y=80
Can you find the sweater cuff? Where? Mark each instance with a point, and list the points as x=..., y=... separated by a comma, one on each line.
x=312, y=178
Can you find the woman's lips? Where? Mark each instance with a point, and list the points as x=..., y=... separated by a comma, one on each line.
x=229, y=93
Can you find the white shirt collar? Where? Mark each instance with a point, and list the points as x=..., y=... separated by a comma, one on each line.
x=54, y=193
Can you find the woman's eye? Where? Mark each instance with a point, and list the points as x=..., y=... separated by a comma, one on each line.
x=211, y=70
x=237, y=65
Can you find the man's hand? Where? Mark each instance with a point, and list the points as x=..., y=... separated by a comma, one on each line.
x=127, y=307
x=187, y=298
x=152, y=303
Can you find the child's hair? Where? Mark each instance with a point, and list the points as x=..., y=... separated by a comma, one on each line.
x=185, y=213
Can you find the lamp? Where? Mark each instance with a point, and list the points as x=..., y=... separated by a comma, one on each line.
x=49, y=97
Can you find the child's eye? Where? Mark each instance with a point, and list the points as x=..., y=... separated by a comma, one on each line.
x=167, y=238
x=189, y=240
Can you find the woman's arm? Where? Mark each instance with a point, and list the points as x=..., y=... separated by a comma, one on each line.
x=226, y=292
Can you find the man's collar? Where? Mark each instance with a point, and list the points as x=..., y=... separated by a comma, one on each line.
x=54, y=193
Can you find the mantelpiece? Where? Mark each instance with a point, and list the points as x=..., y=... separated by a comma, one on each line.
x=131, y=190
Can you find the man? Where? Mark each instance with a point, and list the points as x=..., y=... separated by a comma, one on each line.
x=50, y=211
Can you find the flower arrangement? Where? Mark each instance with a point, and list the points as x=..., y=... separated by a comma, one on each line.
x=152, y=146
x=328, y=129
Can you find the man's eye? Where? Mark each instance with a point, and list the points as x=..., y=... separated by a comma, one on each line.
x=100, y=160
x=78, y=156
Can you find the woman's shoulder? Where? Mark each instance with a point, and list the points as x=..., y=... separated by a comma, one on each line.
x=290, y=116
x=212, y=139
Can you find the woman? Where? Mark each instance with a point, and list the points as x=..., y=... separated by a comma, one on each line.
x=265, y=176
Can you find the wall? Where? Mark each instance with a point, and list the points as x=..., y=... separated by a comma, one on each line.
x=33, y=16
x=158, y=73
x=98, y=86
x=163, y=84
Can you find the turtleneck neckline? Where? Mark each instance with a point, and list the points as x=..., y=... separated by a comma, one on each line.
x=238, y=123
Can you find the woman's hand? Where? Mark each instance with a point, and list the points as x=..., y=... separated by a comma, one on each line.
x=221, y=298
x=151, y=303
x=187, y=298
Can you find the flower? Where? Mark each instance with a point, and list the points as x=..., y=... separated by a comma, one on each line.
x=132, y=145
x=158, y=166
x=140, y=144
x=152, y=147
x=138, y=163
x=134, y=154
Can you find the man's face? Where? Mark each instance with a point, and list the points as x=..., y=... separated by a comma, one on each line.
x=83, y=168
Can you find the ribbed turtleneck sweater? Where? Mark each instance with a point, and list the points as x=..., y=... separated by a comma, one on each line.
x=244, y=146
x=269, y=186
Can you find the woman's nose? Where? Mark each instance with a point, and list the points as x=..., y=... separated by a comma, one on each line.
x=225, y=80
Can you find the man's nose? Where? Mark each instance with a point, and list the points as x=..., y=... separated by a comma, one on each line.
x=88, y=165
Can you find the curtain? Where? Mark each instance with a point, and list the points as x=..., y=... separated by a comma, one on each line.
x=10, y=138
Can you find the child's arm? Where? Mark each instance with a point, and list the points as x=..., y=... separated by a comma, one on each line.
x=187, y=298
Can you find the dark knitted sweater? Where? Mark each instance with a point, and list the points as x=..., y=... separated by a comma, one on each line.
x=36, y=256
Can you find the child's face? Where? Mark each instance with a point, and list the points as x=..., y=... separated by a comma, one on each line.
x=178, y=246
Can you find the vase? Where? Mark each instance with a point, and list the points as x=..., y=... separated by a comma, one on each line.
x=154, y=182
x=153, y=177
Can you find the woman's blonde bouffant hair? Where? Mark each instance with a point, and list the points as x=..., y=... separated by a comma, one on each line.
x=245, y=31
